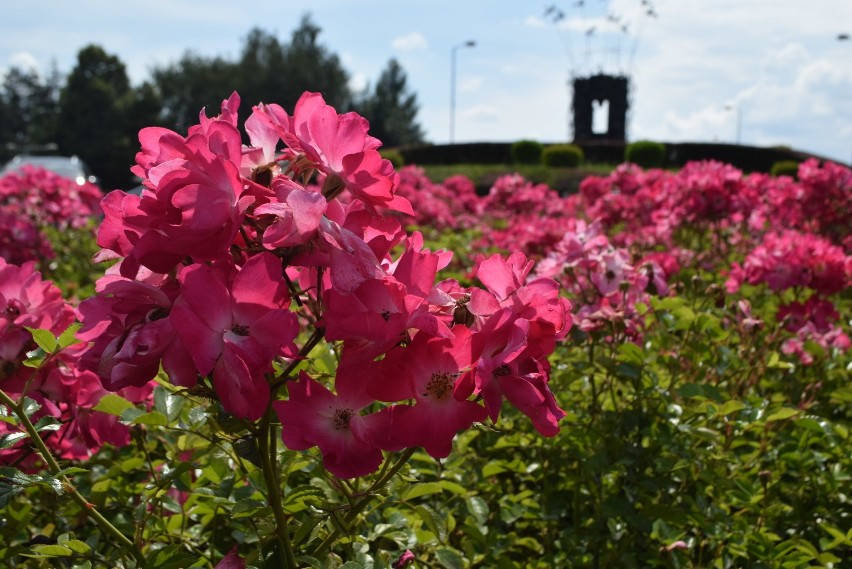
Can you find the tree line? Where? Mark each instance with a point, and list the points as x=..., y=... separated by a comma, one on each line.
x=95, y=113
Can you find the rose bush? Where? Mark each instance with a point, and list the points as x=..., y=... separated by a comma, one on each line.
x=299, y=357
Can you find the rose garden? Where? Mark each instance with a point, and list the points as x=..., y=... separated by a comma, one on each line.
x=288, y=353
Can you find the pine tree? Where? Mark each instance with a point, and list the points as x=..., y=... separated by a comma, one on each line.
x=391, y=109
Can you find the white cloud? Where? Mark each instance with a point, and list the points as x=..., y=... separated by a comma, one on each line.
x=789, y=77
x=358, y=82
x=24, y=60
x=409, y=42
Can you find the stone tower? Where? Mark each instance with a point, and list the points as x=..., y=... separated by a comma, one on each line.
x=600, y=89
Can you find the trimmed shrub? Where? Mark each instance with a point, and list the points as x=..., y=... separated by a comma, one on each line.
x=562, y=155
x=785, y=168
x=527, y=152
x=645, y=153
x=395, y=158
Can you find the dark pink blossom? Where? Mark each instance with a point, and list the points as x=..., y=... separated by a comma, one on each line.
x=194, y=206
x=27, y=301
x=427, y=371
x=234, y=328
x=130, y=334
x=314, y=416
x=339, y=146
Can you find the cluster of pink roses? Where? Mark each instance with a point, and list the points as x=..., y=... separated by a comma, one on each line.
x=789, y=259
x=815, y=320
x=231, y=258
x=519, y=215
x=817, y=269
x=34, y=198
x=63, y=391
x=452, y=204
x=605, y=282
x=819, y=202
x=516, y=215
x=648, y=207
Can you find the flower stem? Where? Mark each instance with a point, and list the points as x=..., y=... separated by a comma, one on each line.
x=359, y=506
x=87, y=508
x=303, y=353
x=266, y=442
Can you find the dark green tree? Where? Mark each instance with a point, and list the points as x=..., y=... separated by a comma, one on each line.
x=261, y=74
x=99, y=116
x=309, y=66
x=192, y=84
x=392, y=109
x=267, y=71
x=29, y=107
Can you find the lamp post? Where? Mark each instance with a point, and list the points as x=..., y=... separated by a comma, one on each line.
x=469, y=43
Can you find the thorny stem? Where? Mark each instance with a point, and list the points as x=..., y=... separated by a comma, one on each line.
x=87, y=508
x=356, y=510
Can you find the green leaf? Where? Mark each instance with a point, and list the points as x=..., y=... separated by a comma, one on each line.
x=631, y=353
x=171, y=557
x=113, y=404
x=53, y=550
x=729, y=407
x=301, y=497
x=47, y=423
x=668, y=303
x=842, y=395
x=449, y=558
x=453, y=487
x=247, y=508
x=840, y=538
x=810, y=424
x=782, y=414
x=493, y=467
x=478, y=509
x=8, y=491
x=690, y=390
x=7, y=416
x=422, y=489
x=77, y=546
x=10, y=440
x=775, y=362
x=30, y=406
x=44, y=338
x=167, y=403
x=69, y=336
x=136, y=416
x=35, y=358
x=433, y=521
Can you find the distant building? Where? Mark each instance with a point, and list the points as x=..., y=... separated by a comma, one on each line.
x=609, y=94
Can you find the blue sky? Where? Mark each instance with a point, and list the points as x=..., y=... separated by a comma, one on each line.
x=695, y=68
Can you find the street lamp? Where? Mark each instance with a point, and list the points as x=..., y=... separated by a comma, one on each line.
x=469, y=43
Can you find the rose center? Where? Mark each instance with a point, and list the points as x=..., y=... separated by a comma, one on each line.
x=12, y=311
x=502, y=370
x=342, y=418
x=157, y=314
x=440, y=386
x=240, y=330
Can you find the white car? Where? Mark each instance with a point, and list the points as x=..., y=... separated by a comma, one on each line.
x=66, y=166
